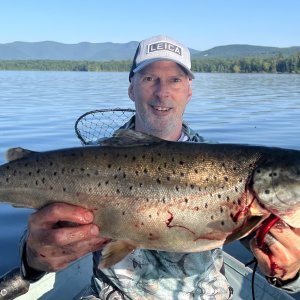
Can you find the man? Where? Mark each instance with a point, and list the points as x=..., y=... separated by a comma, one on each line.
x=161, y=87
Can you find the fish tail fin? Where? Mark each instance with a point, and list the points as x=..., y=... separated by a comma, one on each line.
x=114, y=252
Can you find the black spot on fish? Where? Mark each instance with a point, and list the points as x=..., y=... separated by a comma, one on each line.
x=136, y=172
x=123, y=213
x=206, y=205
x=64, y=189
x=158, y=168
x=55, y=173
x=99, y=184
x=115, y=176
x=186, y=200
x=267, y=192
x=51, y=187
x=43, y=180
x=196, y=171
x=258, y=171
x=118, y=191
x=36, y=182
x=225, y=178
x=158, y=181
x=158, y=154
x=29, y=173
x=107, y=182
x=26, y=165
x=143, y=156
x=131, y=187
x=241, y=180
x=236, y=189
x=88, y=175
x=119, y=169
x=63, y=170
x=145, y=171
x=124, y=175
x=182, y=174
x=181, y=162
x=109, y=166
x=141, y=184
x=96, y=172
x=219, y=196
x=168, y=178
x=221, y=210
x=82, y=169
x=50, y=163
x=164, y=200
x=72, y=170
x=222, y=223
x=147, y=199
x=7, y=168
x=125, y=155
x=7, y=180
x=173, y=159
x=152, y=159
x=133, y=158
x=150, y=216
x=227, y=199
x=165, y=165
x=212, y=217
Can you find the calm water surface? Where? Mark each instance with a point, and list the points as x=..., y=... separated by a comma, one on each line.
x=38, y=111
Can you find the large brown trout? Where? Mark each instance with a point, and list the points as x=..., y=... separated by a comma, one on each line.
x=154, y=194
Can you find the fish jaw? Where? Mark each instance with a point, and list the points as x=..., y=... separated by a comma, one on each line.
x=277, y=186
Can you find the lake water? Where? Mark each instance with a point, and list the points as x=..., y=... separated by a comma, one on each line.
x=38, y=111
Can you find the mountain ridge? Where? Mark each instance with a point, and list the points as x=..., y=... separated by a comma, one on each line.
x=107, y=51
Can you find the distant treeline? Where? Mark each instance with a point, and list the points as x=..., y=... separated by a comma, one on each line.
x=278, y=64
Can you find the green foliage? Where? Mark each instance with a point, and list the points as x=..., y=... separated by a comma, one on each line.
x=277, y=64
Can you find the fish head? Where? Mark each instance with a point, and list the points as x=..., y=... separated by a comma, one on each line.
x=277, y=186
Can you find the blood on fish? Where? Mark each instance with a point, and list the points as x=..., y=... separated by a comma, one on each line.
x=170, y=219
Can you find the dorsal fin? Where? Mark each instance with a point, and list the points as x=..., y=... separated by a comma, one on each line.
x=126, y=137
x=17, y=153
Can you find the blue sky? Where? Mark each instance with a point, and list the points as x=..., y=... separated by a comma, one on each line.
x=197, y=23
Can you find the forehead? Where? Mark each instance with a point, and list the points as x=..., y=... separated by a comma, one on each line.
x=165, y=67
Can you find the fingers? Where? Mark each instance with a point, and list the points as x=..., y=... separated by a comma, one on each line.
x=54, y=213
x=280, y=255
x=52, y=243
x=63, y=236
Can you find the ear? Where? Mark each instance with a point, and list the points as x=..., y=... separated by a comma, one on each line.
x=130, y=91
x=190, y=92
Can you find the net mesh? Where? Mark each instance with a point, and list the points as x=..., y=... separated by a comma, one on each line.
x=98, y=124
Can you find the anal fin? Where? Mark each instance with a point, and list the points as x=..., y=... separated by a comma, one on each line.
x=114, y=252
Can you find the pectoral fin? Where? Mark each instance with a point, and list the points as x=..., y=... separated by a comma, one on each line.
x=114, y=252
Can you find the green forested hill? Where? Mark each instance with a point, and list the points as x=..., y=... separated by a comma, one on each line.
x=52, y=56
x=121, y=51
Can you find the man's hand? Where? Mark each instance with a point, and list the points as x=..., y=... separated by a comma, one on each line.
x=280, y=256
x=51, y=246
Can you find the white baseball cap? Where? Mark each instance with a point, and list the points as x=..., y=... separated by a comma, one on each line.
x=161, y=47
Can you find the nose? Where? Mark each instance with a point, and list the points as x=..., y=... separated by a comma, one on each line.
x=162, y=89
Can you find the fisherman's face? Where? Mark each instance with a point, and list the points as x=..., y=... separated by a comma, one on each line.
x=161, y=92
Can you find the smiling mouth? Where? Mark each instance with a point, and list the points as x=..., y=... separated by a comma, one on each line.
x=160, y=108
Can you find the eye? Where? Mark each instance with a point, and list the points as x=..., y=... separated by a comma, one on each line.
x=148, y=78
